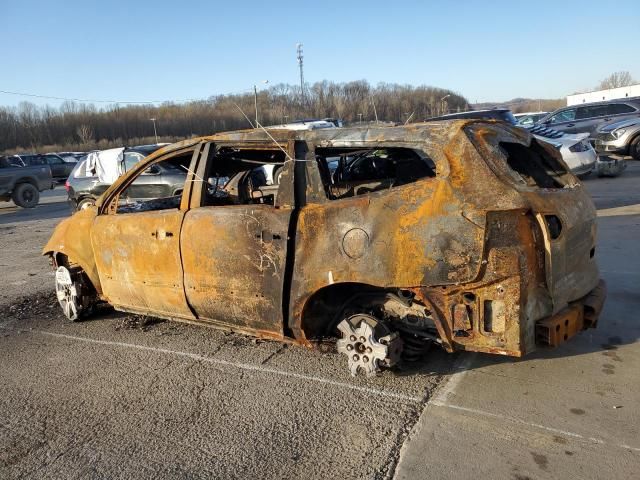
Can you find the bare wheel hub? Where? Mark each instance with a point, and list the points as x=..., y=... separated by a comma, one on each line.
x=368, y=344
x=67, y=293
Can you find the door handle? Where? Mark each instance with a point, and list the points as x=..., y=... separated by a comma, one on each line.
x=161, y=234
x=571, y=124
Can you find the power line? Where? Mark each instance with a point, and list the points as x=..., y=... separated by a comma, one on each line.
x=90, y=100
x=50, y=97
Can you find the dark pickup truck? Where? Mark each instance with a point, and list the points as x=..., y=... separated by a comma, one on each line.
x=23, y=184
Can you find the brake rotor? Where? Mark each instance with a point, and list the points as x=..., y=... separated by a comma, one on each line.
x=368, y=344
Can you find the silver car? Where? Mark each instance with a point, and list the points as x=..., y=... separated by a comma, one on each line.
x=622, y=138
x=588, y=117
x=529, y=118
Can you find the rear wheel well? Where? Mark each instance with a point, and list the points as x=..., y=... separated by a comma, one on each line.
x=25, y=180
x=323, y=310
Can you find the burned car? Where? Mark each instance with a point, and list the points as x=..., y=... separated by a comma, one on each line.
x=470, y=234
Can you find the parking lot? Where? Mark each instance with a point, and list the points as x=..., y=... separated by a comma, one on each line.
x=119, y=396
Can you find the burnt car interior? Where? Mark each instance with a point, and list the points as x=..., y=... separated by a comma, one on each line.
x=242, y=176
x=534, y=164
x=348, y=172
x=128, y=204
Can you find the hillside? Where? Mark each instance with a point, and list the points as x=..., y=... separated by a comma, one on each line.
x=518, y=105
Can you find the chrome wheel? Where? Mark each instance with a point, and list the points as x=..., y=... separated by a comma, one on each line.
x=67, y=292
x=368, y=345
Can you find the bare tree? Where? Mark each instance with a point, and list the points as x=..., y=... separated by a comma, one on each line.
x=33, y=127
x=85, y=133
x=615, y=80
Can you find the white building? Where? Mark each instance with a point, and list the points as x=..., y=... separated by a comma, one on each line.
x=600, y=95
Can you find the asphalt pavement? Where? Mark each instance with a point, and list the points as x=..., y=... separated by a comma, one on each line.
x=121, y=396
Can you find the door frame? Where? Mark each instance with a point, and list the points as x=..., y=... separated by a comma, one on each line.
x=109, y=206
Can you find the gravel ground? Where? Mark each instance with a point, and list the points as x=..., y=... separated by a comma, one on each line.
x=124, y=396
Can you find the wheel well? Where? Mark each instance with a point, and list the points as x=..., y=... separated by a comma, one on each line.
x=25, y=180
x=85, y=197
x=62, y=260
x=322, y=310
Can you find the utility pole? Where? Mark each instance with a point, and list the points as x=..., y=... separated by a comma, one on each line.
x=155, y=132
x=375, y=112
x=300, y=65
x=255, y=102
x=443, y=103
x=255, y=99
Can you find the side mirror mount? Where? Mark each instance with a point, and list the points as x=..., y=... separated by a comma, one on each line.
x=152, y=170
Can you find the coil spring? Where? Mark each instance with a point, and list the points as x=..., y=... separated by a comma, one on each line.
x=414, y=347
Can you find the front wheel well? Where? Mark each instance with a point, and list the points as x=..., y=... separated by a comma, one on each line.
x=632, y=140
x=60, y=259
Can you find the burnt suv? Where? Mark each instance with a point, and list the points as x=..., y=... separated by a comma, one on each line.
x=84, y=185
x=471, y=234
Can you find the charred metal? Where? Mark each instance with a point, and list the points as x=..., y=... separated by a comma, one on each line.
x=467, y=234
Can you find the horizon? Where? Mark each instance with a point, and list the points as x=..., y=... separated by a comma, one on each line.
x=80, y=51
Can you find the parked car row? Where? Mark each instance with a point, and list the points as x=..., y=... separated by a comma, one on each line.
x=589, y=117
x=86, y=175
x=95, y=172
x=60, y=169
x=613, y=126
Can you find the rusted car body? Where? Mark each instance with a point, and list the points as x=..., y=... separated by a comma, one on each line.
x=466, y=233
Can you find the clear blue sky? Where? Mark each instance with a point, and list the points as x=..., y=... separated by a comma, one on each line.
x=157, y=50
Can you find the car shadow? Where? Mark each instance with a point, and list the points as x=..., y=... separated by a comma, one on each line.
x=606, y=340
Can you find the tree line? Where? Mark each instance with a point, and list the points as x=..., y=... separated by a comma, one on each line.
x=82, y=126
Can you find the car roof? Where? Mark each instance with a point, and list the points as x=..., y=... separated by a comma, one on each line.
x=522, y=114
x=146, y=149
x=635, y=100
x=437, y=129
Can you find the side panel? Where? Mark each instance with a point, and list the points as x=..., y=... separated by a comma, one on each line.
x=234, y=265
x=409, y=236
x=138, y=258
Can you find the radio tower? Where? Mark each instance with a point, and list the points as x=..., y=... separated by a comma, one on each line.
x=300, y=63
